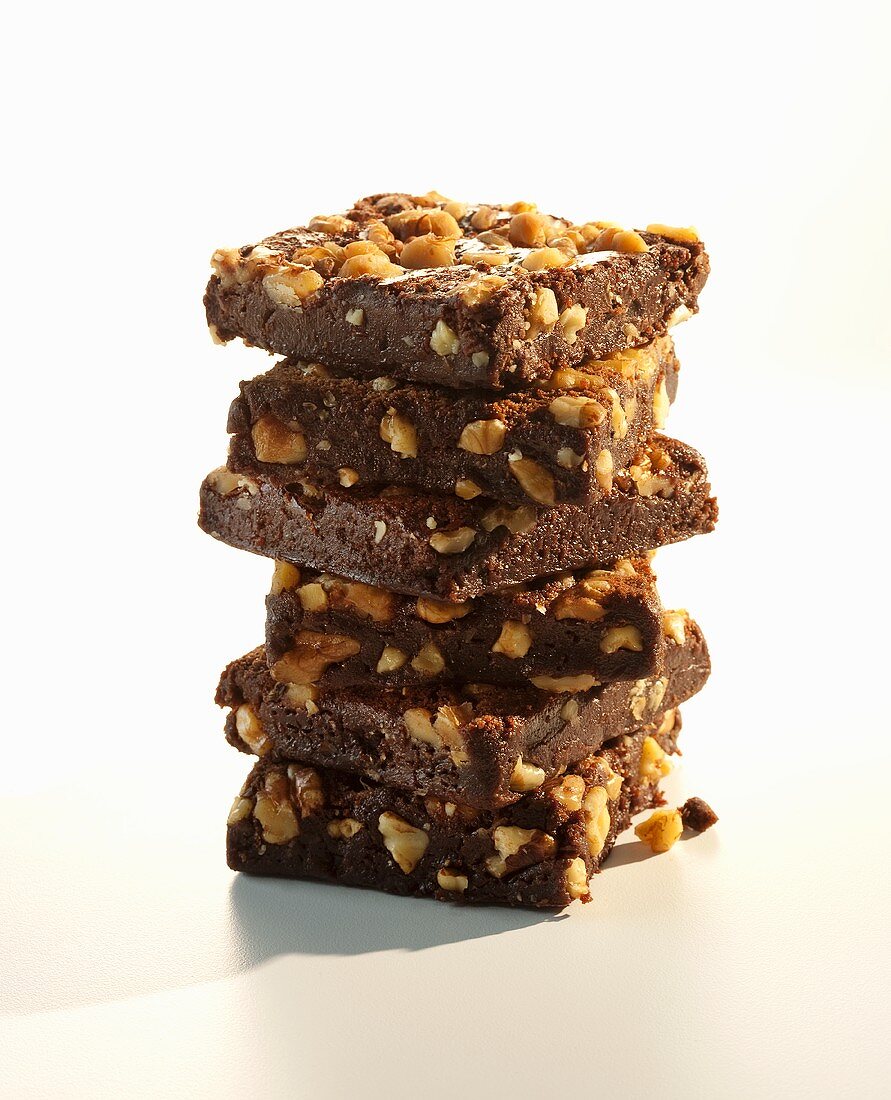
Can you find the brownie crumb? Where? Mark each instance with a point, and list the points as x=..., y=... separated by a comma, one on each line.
x=697, y=815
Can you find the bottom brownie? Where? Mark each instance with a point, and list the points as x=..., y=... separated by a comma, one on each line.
x=295, y=821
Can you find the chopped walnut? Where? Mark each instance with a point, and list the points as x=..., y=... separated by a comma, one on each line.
x=400, y=433
x=440, y=611
x=571, y=321
x=380, y=529
x=654, y=764
x=452, y=881
x=250, y=729
x=313, y=597
x=241, y=807
x=309, y=657
x=291, y=285
x=278, y=442
x=674, y=625
x=574, y=411
x=603, y=470
x=535, y=481
x=467, y=489
x=540, y=259
x=483, y=437
x=613, y=239
x=306, y=789
x=347, y=476
x=686, y=235
x=519, y=521
x=444, y=340
x=578, y=603
x=405, y=843
x=569, y=792
x=661, y=405
x=557, y=684
x=661, y=829
x=344, y=828
x=428, y=250
x=515, y=640
x=511, y=841
x=577, y=879
x=423, y=221
x=543, y=314
x=429, y=661
x=453, y=542
x=597, y=819
x=526, y=777
x=391, y=659
x=621, y=637
x=274, y=811
x=355, y=317
x=528, y=230
x=284, y=576
x=366, y=600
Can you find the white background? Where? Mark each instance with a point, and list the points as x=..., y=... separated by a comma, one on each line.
x=751, y=961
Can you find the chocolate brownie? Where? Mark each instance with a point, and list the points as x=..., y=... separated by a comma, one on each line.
x=299, y=421
x=455, y=294
x=603, y=623
x=479, y=743
x=296, y=821
x=453, y=549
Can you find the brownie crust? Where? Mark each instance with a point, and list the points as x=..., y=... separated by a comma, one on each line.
x=477, y=744
x=456, y=550
x=466, y=323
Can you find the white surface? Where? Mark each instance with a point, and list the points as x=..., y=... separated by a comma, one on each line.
x=752, y=961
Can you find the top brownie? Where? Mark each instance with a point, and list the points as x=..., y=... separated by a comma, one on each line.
x=456, y=294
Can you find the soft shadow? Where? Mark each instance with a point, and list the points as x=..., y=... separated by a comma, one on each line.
x=635, y=851
x=272, y=917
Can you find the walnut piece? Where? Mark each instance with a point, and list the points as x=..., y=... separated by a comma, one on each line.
x=535, y=481
x=344, y=828
x=597, y=820
x=661, y=405
x=405, y=843
x=557, y=684
x=400, y=433
x=528, y=230
x=452, y=542
x=274, y=811
x=466, y=489
x=514, y=640
x=347, y=476
x=571, y=321
x=250, y=729
x=526, y=777
x=574, y=411
x=621, y=637
x=661, y=829
x=444, y=340
x=289, y=286
x=241, y=807
x=313, y=597
x=391, y=659
x=511, y=841
x=278, y=442
x=306, y=789
x=519, y=521
x=686, y=234
x=569, y=793
x=429, y=661
x=451, y=880
x=540, y=259
x=483, y=437
x=312, y=652
x=284, y=576
x=543, y=313
x=440, y=611
x=674, y=625
x=366, y=600
x=603, y=470
x=577, y=879
x=654, y=764
x=428, y=250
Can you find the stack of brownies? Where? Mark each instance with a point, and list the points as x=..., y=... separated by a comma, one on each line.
x=468, y=685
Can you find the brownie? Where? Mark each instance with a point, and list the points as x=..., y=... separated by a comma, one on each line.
x=603, y=623
x=300, y=421
x=480, y=744
x=454, y=294
x=296, y=821
x=454, y=549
